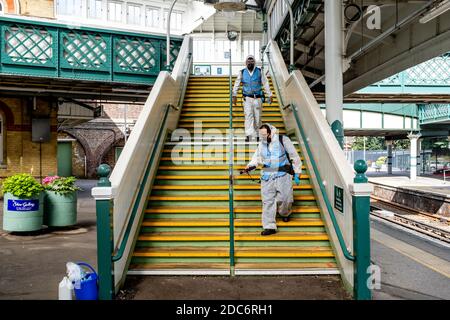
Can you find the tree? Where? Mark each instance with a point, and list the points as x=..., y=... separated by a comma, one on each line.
x=372, y=143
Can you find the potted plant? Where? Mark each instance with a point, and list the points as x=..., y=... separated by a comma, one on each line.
x=60, y=201
x=23, y=201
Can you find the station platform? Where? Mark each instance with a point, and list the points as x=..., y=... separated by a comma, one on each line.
x=425, y=194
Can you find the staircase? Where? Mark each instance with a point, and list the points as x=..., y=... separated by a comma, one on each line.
x=185, y=229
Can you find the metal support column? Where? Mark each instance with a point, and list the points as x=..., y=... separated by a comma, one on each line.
x=333, y=67
x=389, y=158
x=413, y=138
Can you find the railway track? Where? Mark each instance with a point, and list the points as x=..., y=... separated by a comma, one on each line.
x=431, y=225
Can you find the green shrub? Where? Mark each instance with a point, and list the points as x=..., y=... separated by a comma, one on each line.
x=60, y=185
x=22, y=186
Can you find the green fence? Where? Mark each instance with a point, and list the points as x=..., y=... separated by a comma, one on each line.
x=43, y=49
x=433, y=113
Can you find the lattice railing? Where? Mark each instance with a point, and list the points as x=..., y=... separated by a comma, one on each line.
x=36, y=48
x=429, y=113
x=431, y=73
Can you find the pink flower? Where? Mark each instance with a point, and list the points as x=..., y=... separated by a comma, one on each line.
x=49, y=179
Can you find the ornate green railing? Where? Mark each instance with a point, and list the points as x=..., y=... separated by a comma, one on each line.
x=44, y=49
x=432, y=113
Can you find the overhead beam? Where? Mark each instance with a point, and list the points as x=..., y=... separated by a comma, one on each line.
x=416, y=43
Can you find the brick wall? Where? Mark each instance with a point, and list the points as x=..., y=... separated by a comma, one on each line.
x=78, y=154
x=37, y=8
x=21, y=155
x=99, y=137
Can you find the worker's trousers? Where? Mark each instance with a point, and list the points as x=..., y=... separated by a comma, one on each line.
x=252, y=112
x=277, y=197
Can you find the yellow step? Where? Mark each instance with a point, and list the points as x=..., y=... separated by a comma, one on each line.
x=286, y=265
x=221, y=109
x=184, y=209
x=224, y=209
x=216, y=126
x=220, y=187
x=205, y=159
x=186, y=223
x=179, y=265
x=182, y=252
x=214, y=104
x=239, y=236
x=295, y=209
x=222, y=114
x=221, y=198
x=219, y=120
x=280, y=252
x=211, y=177
x=294, y=222
x=214, y=149
x=204, y=167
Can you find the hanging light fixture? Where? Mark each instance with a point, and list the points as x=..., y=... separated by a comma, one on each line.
x=230, y=5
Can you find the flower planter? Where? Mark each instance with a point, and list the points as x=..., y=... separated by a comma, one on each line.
x=60, y=210
x=22, y=214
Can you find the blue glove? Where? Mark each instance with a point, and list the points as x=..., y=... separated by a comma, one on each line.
x=297, y=178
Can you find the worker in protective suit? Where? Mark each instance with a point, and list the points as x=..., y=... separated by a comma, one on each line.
x=280, y=162
x=253, y=80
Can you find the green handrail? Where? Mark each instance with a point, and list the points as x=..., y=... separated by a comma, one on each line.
x=344, y=249
x=230, y=172
x=124, y=241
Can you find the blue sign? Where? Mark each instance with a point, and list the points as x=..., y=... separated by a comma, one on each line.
x=23, y=205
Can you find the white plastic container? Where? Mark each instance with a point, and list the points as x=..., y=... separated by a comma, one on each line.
x=65, y=291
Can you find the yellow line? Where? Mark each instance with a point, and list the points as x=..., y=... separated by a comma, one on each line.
x=422, y=257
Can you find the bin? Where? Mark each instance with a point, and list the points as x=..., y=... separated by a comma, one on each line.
x=88, y=289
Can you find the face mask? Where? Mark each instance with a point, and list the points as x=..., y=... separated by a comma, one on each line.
x=266, y=139
x=250, y=66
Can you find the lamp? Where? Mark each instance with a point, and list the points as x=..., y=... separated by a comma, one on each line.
x=232, y=35
x=230, y=5
x=441, y=8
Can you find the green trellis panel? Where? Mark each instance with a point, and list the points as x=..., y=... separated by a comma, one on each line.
x=85, y=51
x=44, y=49
x=136, y=55
x=28, y=49
x=174, y=50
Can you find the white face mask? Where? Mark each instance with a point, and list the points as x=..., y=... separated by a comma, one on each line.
x=265, y=139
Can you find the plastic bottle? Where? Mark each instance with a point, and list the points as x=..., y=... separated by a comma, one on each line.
x=65, y=291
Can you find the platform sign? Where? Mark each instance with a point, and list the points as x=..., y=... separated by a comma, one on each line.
x=339, y=198
x=23, y=205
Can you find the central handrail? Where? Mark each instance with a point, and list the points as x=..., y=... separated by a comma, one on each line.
x=230, y=173
x=342, y=244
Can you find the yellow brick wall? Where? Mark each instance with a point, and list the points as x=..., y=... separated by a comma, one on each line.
x=22, y=155
x=37, y=8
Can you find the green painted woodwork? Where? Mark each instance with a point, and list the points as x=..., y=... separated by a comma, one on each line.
x=42, y=49
x=64, y=158
x=105, y=238
x=361, y=236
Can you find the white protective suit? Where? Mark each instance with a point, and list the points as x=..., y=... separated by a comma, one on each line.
x=252, y=106
x=277, y=193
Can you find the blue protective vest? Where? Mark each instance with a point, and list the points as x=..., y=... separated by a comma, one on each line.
x=273, y=159
x=252, y=84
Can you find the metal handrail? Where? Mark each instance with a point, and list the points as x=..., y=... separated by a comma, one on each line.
x=230, y=173
x=126, y=236
x=342, y=244
x=124, y=241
